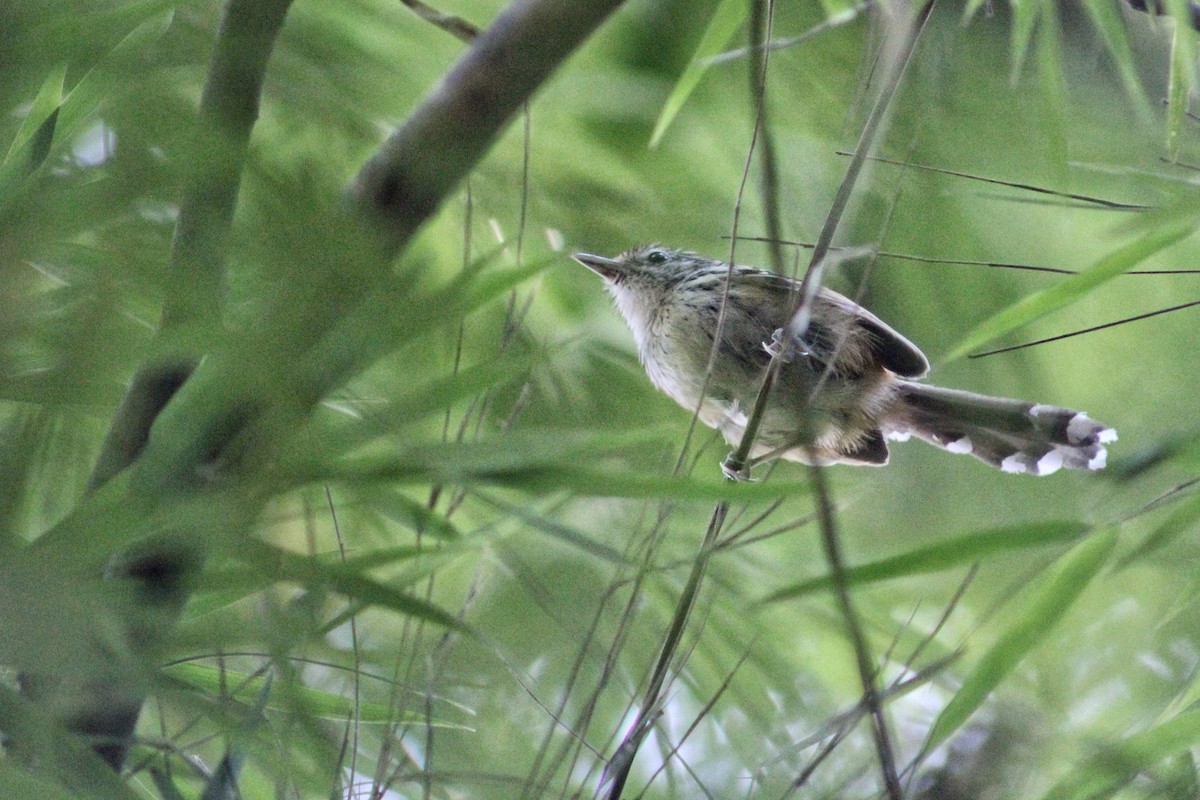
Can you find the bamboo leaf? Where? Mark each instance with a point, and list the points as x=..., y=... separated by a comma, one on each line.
x=103, y=78
x=1182, y=71
x=416, y=516
x=1181, y=521
x=351, y=583
x=538, y=463
x=1040, y=304
x=955, y=552
x=1108, y=21
x=1071, y=575
x=43, y=111
x=1118, y=764
x=211, y=681
x=722, y=26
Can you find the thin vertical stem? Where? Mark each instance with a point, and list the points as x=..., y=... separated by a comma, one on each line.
x=862, y=653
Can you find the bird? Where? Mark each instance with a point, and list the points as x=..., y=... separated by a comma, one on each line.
x=845, y=387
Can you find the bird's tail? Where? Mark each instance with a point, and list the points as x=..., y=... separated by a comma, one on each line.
x=1010, y=434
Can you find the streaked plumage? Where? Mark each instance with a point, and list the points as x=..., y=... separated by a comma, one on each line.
x=848, y=386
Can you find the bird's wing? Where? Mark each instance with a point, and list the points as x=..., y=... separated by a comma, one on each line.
x=895, y=351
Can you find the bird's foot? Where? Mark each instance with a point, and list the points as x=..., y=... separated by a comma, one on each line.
x=775, y=348
x=734, y=471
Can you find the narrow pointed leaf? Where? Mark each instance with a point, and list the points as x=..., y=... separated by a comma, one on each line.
x=722, y=26
x=44, y=108
x=956, y=552
x=1040, y=304
x=1071, y=575
x=1116, y=765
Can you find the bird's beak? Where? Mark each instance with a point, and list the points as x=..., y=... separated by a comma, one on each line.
x=607, y=268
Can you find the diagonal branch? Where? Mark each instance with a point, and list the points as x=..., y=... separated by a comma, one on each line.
x=106, y=705
x=228, y=111
x=197, y=425
x=424, y=161
x=195, y=274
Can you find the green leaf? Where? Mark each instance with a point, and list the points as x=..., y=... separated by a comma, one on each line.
x=113, y=70
x=1177, y=92
x=1039, y=304
x=722, y=26
x=165, y=784
x=374, y=327
x=1182, y=520
x=1182, y=76
x=57, y=118
x=970, y=9
x=1118, y=764
x=539, y=462
x=944, y=555
x=557, y=530
x=244, y=687
x=339, y=437
x=416, y=516
x=1107, y=19
x=1025, y=21
x=59, y=755
x=352, y=584
x=1070, y=576
x=43, y=111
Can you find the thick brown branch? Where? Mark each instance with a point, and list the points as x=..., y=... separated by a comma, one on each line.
x=402, y=187
x=152, y=388
x=418, y=167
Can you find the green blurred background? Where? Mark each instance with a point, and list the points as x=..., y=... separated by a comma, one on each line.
x=566, y=556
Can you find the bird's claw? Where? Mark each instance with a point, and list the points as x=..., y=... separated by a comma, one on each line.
x=775, y=348
x=733, y=472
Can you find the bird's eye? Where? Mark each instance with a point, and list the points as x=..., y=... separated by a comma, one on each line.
x=656, y=257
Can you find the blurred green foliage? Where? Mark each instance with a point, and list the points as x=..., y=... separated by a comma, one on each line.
x=472, y=546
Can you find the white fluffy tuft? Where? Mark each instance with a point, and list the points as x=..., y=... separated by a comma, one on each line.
x=1014, y=464
x=1107, y=435
x=1081, y=427
x=962, y=445
x=1050, y=463
x=1099, y=460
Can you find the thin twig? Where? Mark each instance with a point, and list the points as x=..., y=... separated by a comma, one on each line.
x=1028, y=187
x=1092, y=329
x=965, y=262
x=535, y=785
x=762, y=14
x=356, y=713
x=738, y=461
x=622, y=761
x=705, y=711
x=840, y=19
x=862, y=655
x=451, y=24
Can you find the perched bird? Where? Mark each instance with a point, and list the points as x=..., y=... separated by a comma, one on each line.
x=844, y=389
